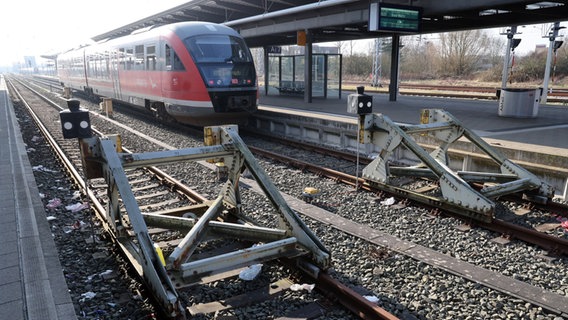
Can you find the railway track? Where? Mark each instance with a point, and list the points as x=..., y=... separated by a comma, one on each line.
x=448, y=91
x=174, y=199
x=534, y=234
x=366, y=229
x=457, y=91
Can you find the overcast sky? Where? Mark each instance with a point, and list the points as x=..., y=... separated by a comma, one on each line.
x=31, y=27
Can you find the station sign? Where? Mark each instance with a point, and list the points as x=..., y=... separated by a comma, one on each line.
x=394, y=18
x=274, y=49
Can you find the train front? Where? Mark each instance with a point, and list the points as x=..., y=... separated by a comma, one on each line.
x=227, y=68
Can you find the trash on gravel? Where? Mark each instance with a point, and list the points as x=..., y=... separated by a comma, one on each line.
x=79, y=225
x=250, y=272
x=77, y=206
x=42, y=169
x=88, y=295
x=106, y=273
x=564, y=225
x=372, y=299
x=388, y=202
x=53, y=203
x=303, y=286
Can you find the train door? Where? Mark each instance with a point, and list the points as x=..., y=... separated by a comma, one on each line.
x=152, y=68
x=171, y=71
x=115, y=59
x=165, y=52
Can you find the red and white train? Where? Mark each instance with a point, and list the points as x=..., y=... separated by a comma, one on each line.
x=194, y=72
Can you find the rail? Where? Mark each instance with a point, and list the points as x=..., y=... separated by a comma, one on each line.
x=130, y=230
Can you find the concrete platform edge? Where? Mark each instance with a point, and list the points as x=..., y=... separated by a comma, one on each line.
x=45, y=292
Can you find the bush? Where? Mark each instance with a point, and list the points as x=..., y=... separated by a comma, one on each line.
x=495, y=74
x=357, y=65
x=529, y=68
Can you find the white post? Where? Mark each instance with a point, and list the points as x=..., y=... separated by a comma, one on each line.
x=551, y=36
x=510, y=34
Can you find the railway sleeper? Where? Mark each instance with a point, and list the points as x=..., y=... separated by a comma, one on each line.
x=103, y=158
x=455, y=188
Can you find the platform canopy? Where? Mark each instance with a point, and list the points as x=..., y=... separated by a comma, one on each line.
x=276, y=22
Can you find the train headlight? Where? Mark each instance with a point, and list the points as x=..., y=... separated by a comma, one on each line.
x=75, y=122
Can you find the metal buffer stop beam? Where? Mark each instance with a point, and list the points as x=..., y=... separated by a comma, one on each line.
x=457, y=193
x=103, y=158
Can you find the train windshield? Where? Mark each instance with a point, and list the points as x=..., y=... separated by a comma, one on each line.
x=222, y=60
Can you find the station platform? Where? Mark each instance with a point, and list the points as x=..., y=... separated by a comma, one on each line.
x=549, y=129
x=32, y=285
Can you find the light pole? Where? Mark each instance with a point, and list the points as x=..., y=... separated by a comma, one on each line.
x=511, y=45
x=551, y=47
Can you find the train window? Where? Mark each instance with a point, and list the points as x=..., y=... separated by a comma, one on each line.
x=168, y=58
x=107, y=65
x=218, y=48
x=76, y=66
x=151, y=58
x=93, y=65
x=122, y=58
x=178, y=65
x=129, y=59
x=139, y=57
x=173, y=62
x=97, y=66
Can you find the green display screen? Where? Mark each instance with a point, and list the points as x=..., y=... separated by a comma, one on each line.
x=395, y=18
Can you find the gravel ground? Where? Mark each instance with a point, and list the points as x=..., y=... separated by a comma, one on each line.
x=100, y=286
x=406, y=287
x=413, y=289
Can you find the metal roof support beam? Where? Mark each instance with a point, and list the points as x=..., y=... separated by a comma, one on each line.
x=395, y=54
x=266, y=69
x=308, y=67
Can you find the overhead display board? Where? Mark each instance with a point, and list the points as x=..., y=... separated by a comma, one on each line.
x=394, y=18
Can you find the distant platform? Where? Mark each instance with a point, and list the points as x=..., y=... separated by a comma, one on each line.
x=548, y=129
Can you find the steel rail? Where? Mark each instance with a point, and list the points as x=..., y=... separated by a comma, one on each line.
x=353, y=301
x=554, y=244
x=328, y=285
x=558, y=95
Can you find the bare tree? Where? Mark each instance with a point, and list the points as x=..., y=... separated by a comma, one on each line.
x=495, y=48
x=461, y=51
x=340, y=45
x=351, y=47
x=419, y=58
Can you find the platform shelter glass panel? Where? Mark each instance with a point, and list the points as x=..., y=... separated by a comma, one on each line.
x=287, y=80
x=333, y=76
x=299, y=79
x=318, y=76
x=273, y=74
x=286, y=75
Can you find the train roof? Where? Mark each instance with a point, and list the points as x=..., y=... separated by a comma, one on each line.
x=181, y=29
x=190, y=28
